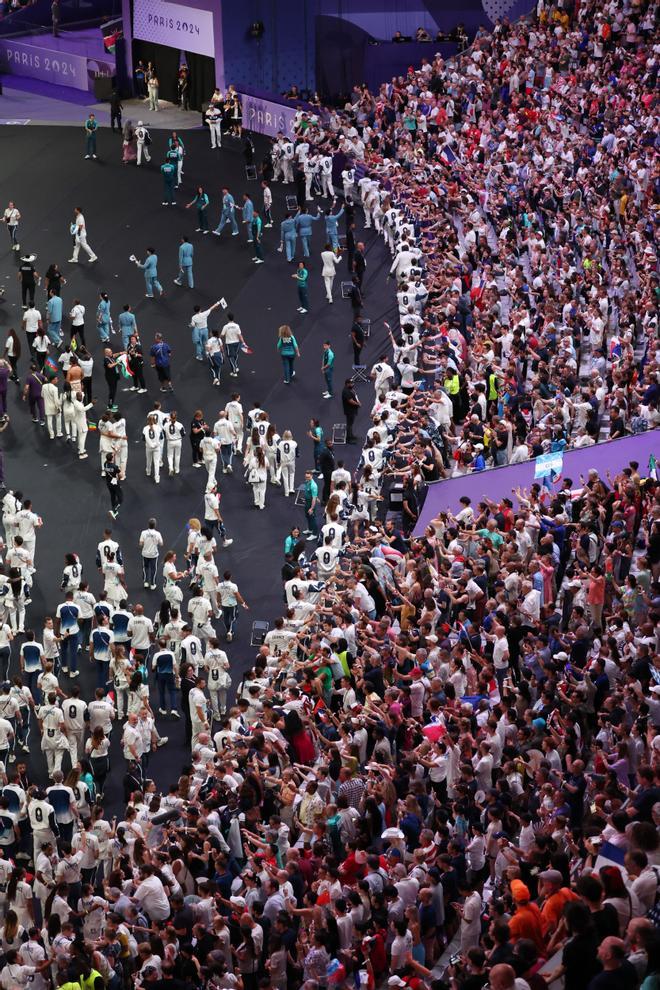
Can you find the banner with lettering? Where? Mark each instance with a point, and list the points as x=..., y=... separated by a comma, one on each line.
x=174, y=25
x=61, y=68
x=267, y=117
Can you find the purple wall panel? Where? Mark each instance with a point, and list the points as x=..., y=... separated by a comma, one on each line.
x=499, y=482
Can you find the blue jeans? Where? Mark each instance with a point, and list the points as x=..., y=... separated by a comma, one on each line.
x=200, y=335
x=232, y=355
x=305, y=238
x=54, y=331
x=152, y=283
x=227, y=216
x=104, y=331
x=327, y=374
x=290, y=247
x=288, y=362
x=69, y=651
x=165, y=684
x=188, y=272
x=333, y=237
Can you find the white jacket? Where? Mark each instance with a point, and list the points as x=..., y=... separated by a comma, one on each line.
x=52, y=399
x=330, y=261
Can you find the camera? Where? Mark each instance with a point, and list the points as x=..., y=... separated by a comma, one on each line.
x=455, y=959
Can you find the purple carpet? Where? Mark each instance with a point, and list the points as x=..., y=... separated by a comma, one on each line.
x=499, y=483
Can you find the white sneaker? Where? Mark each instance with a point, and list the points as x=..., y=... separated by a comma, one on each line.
x=227, y=543
x=94, y=259
x=73, y=261
x=162, y=711
x=303, y=311
x=174, y=712
x=146, y=584
x=162, y=741
x=312, y=537
x=230, y=636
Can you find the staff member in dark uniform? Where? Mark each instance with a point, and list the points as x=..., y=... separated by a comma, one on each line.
x=111, y=376
x=27, y=276
x=357, y=340
x=115, y=111
x=327, y=466
x=198, y=430
x=112, y=473
x=359, y=263
x=54, y=279
x=350, y=404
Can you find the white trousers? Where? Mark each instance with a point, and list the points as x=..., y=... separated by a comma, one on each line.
x=81, y=242
x=215, y=131
x=174, y=456
x=288, y=473
x=211, y=466
x=76, y=745
x=218, y=701
x=53, y=760
x=329, y=280
x=273, y=468
x=121, y=456
x=326, y=184
x=153, y=461
x=82, y=439
x=142, y=150
x=54, y=424
x=259, y=492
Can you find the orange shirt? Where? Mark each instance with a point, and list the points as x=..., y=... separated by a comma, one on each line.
x=527, y=923
x=553, y=908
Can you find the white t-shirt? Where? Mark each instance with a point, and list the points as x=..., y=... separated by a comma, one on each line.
x=150, y=541
x=231, y=333
x=139, y=629
x=31, y=320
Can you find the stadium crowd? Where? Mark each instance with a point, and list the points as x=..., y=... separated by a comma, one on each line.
x=446, y=750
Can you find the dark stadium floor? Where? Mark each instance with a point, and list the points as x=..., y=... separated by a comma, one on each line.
x=44, y=172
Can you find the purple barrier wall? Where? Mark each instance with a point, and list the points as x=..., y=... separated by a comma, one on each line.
x=72, y=60
x=498, y=483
